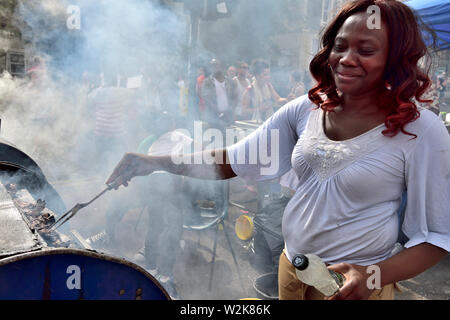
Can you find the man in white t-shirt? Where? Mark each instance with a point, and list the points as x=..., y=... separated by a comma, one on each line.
x=217, y=93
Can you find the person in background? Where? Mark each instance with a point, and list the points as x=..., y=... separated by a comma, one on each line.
x=357, y=142
x=183, y=95
x=231, y=72
x=202, y=74
x=260, y=98
x=217, y=94
x=441, y=83
x=37, y=73
x=297, y=86
x=110, y=131
x=240, y=83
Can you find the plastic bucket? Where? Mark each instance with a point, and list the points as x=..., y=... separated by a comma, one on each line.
x=266, y=286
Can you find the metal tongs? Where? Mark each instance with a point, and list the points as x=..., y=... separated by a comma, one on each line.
x=72, y=212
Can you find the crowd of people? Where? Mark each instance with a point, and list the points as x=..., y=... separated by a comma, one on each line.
x=122, y=111
x=241, y=92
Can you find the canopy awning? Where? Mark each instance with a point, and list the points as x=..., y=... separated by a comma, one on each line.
x=436, y=14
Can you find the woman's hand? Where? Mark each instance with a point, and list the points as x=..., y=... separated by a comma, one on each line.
x=355, y=285
x=131, y=165
x=406, y=264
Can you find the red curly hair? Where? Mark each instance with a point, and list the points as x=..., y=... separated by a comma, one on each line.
x=406, y=79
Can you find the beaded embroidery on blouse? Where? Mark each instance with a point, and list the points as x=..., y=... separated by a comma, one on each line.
x=327, y=157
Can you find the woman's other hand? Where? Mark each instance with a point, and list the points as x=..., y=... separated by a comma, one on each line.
x=355, y=285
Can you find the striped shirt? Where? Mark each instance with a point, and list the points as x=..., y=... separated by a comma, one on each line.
x=110, y=116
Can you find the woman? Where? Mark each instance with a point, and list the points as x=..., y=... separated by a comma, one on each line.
x=259, y=99
x=356, y=143
x=297, y=86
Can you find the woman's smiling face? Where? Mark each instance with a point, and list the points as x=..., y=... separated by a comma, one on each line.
x=358, y=57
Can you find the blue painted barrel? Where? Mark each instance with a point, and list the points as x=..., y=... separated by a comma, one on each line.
x=72, y=274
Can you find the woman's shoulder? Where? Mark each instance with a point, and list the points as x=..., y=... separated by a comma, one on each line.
x=299, y=106
x=297, y=111
x=430, y=131
x=427, y=121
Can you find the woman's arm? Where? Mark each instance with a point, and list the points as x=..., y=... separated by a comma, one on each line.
x=135, y=164
x=404, y=265
x=276, y=97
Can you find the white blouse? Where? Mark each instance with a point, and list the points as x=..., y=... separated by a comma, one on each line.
x=348, y=192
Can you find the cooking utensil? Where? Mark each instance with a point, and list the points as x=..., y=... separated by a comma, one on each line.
x=72, y=212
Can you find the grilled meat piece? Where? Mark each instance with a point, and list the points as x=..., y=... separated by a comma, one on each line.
x=38, y=217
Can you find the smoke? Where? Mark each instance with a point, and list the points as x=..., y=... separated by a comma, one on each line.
x=50, y=117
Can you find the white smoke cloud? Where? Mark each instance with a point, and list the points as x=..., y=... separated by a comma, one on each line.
x=49, y=119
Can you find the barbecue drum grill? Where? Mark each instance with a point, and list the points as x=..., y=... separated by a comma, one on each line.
x=40, y=263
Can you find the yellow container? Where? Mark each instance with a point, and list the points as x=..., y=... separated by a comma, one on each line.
x=244, y=227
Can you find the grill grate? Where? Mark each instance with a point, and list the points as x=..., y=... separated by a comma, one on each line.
x=15, y=235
